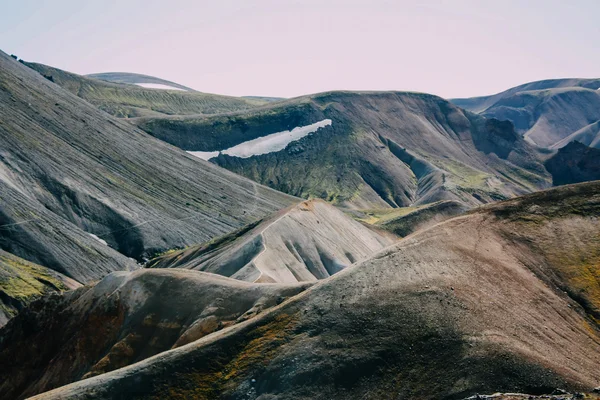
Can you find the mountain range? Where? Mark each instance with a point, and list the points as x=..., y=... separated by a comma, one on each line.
x=160, y=242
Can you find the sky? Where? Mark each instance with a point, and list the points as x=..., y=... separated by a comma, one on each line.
x=287, y=48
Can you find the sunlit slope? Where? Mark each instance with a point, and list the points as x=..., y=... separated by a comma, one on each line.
x=504, y=299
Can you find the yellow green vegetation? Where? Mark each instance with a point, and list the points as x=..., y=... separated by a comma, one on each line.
x=462, y=175
x=258, y=349
x=23, y=281
x=383, y=215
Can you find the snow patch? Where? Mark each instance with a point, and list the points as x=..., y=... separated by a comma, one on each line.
x=265, y=144
x=205, y=155
x=158, y=86
x=98, y=239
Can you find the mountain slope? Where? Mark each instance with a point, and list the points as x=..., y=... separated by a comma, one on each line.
x=482, y=103
x=306, y=242
x=126, y=317
x=21, y=282
x=132, y=78
x=122, y=100
x=504, y=299
x=373, y=149
x=588, y=135
x=546, y=112
x=574, y=163
x=68, y=170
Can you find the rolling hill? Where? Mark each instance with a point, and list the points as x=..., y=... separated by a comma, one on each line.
x=309, y=241
x=85, y=194
x=502, y=299
x=137, y=79
x=366, y=149
x=548, y=113
x=125, y=100
x=127, y=317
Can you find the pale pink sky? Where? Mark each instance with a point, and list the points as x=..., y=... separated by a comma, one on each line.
x=288, y=48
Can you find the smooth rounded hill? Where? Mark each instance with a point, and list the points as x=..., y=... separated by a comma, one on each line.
x=503, y=299
x=125, y=318
x=137, y=79
x=125, y=100
x=309, y=241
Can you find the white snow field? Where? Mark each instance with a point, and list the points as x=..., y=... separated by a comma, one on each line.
x=158, y=86
x=265, y=144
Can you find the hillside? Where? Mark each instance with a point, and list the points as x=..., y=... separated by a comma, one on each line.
x=83, y=193
x=137, y=79
x=503, y=299
x=21, y=282
x=547, y=113
x=127, y=317
x=309, y=241
x=365, y=149
x=124, y=100
x=574, y=163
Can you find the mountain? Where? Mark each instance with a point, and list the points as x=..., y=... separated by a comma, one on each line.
x=124, y=100
x=21, y=282
x=364, y=150
x=406, y=220
x=83, y=193
x=547, y=113
x=127, y=317
x=138, y=79
x=574, y=163
x=588, y=135
x=309, y=241
x=502, y=299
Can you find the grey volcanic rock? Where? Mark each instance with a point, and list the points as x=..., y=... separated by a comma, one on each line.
x=548, y=113
x=69, y=171
x=309, y=241
x=382, y=149
x=574, y=163
x=503, y=299
x=125, y=318
x=588, y=135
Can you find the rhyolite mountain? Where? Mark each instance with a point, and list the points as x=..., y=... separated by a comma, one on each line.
x=502, y=299
x=381, y=149
x=84, y=193
x=305, y=242
x=549, y=113
x=125, y=318
x=125, y=100
x=137, y=79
